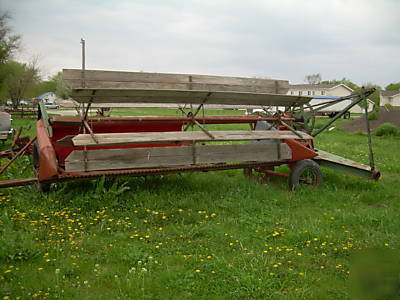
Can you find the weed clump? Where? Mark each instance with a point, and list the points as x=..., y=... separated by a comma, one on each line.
x=388, y=106
x=387, y=129
x=373, y=116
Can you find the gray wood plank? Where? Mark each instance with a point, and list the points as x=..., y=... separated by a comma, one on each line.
x=145, y=77
x=152, y=157
x=182, y=136
x=270, y=87
x=178, y=96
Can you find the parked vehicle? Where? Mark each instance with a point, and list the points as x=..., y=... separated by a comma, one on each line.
x=51, y=105
x=21, y=103
x=5, y=126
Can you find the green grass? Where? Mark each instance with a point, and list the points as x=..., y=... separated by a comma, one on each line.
x=205, y=235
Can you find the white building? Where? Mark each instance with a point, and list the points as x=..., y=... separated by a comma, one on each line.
x=323, y=89
x=48, y=97
x=390, y=97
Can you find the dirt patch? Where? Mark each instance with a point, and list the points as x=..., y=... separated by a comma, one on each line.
x=384, y=116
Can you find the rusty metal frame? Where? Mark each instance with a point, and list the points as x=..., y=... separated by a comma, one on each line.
x=21, y=152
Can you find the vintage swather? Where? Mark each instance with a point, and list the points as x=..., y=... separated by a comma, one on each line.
x=82, y=148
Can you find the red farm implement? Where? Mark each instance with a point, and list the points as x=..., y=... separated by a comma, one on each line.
x=83, y=148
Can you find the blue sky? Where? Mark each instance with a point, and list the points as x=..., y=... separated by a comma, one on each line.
x=285, y=39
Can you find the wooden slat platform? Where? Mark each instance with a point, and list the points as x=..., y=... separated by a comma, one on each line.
x=72, y=120
x=114, y=159
x=95, y=95
x=162, y=88
x=168, y=81
x=182, y=136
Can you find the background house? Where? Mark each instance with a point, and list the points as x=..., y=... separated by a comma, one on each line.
x=390, y=97
x=48, y=97
x=323, y=89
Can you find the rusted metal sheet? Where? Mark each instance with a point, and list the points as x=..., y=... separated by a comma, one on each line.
x=47, y=155
x=299, y=150
x=21, y=152
x=18, y=182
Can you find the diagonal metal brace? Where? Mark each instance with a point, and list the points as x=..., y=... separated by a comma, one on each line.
x=17, y=155
x=292, y=129
x=85, y=123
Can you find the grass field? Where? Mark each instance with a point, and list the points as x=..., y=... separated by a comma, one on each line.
x=207, y=235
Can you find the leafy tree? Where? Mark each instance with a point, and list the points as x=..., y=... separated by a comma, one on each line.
x=40, y=88
x=376, y=95
x=395, y=86
x=345, y=81
x=8, y=42
x=313, y=78
x=62, y=90
x=19, y=78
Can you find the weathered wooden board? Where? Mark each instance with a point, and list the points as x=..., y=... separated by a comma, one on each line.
x=182, y=136
x=271, y=88
x=154, y=157
x=74, y=120
x=184, y=96
x=145, y=80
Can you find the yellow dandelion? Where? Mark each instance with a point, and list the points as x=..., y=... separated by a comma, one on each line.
x=197, y=271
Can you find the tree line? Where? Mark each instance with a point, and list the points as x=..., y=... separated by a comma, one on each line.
x=20, y=80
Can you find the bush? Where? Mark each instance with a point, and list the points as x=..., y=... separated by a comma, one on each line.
x=387, y=129
x=388, y=106
x=373, y=116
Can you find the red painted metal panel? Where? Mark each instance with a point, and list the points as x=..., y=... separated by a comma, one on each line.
x=299, y=150
x=47, y=155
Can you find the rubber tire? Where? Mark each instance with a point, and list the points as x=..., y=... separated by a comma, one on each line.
x=302, y=166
